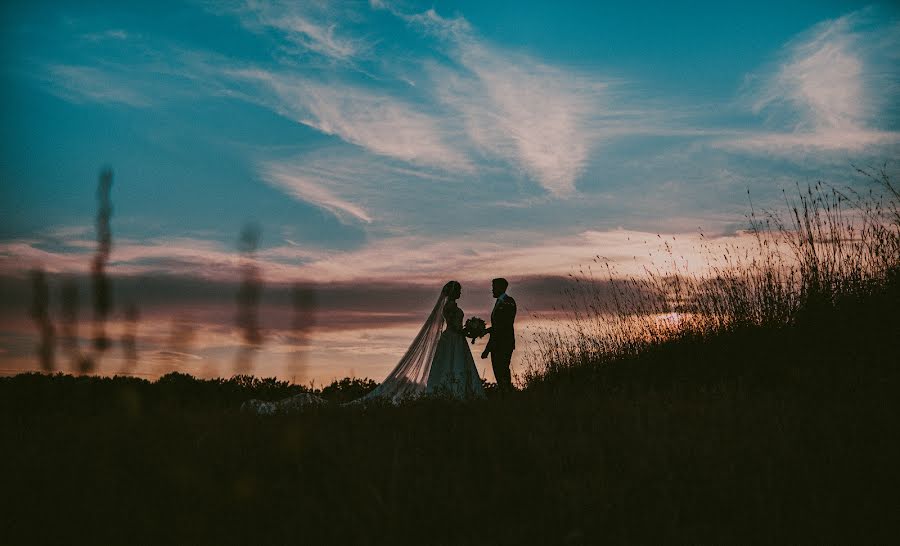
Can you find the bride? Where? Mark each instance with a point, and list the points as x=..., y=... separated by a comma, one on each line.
x=438, y=362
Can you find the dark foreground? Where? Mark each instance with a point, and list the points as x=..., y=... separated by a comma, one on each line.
x=784, y=435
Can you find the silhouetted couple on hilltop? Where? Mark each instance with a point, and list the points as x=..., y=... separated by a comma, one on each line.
x=439, y=360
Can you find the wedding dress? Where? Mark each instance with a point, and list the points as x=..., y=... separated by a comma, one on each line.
x=438, y=362
x=453, y=372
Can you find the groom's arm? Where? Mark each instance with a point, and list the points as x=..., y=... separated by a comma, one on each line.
x=487, y=350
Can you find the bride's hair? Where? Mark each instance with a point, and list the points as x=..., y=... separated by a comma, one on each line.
x=450, y=287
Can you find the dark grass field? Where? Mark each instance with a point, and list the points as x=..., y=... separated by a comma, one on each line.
x=775, y=424
x=782, y=435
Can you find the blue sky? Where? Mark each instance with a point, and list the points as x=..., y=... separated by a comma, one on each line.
x=407, y=142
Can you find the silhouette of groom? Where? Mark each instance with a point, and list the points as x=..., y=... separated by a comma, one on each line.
x=502, y=342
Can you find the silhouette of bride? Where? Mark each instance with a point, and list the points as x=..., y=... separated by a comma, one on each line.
x=438, y=362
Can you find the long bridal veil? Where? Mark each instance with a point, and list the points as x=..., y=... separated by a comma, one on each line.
x=409, y=377
x=407, y=380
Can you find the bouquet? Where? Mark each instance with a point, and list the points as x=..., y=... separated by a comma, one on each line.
x=474, y=328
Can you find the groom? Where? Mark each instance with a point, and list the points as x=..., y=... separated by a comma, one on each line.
x=503, y=338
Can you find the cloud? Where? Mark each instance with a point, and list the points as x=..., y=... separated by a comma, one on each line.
x=536, y=117
x=418, y=259
x=310, y=26
x=359, y=186
x=533, y=116
x=312, y=188
x=822, y=79
x=377, y=122
x=162, y=75
x=111, y=34
x=851, y=140
x=829, y=90
x=81, y=84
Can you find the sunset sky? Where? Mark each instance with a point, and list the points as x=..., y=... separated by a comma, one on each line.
x=385, y=147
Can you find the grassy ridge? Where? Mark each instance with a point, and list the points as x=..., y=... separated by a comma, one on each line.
x=772, y=420
x=719, y=450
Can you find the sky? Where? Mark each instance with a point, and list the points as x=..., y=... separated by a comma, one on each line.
x=382, y=148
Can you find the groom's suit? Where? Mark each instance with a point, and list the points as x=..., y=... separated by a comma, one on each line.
x=502, y=340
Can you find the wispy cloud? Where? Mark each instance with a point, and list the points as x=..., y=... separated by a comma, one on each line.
x=821, y=79
x=81, y=84
x=535, y=116
x=851, y=140
x=111, y=34
x=163, y=74
x=312, y=187
x=309, y=26
x=359, y=186
x=377, y=122
x=421, y=259
x=828, y=90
